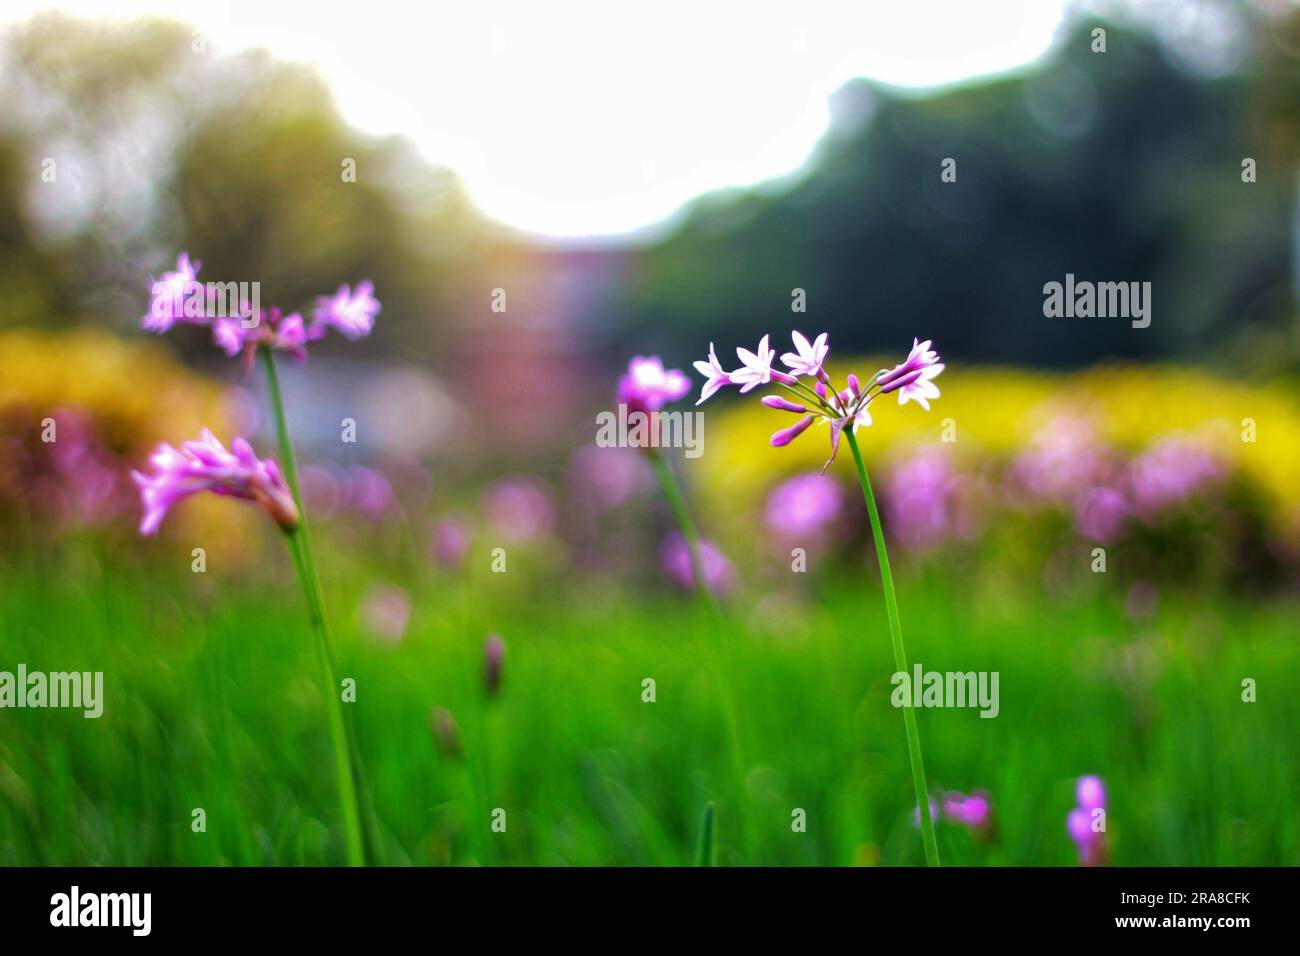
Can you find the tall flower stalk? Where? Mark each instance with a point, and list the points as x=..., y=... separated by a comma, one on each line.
x=205, y=465
x=844, y=412
x=305, y=562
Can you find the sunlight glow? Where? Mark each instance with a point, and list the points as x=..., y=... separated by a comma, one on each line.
x=598, y=118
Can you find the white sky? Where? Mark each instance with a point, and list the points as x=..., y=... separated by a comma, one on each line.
x=588, y=118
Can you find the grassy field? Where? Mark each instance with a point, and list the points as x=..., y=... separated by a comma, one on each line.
x=214, y=701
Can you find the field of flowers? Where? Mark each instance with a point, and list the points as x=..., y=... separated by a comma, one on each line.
x=528, y=678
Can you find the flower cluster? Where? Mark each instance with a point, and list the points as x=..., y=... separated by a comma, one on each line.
x=206, y=465
x=174, y=296
x=1086, y=823
x=913, y=380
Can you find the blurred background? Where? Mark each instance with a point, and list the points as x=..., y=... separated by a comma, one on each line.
x=647, y=180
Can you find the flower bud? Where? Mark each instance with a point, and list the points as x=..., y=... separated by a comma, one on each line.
x=494, y=659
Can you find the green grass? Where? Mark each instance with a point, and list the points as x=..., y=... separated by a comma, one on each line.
x=213, y=701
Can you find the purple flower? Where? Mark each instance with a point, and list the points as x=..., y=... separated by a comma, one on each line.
x=1086, y=822
x=168, y=294
x=1101, y=514
x=974, y=811
x=648, y=387
x=609, y=476
x=912, y=379
x=272, y=329
x=804, y=506
x=519, y=509
x=924, y=501
x=809, y=357
x=714, y=375
x=1169, y=473
x=352, y=313
x=1090, y=792
x=675, y=557
x=205, y=465
x=756, y=368
x=369, y=493
x=451, y=540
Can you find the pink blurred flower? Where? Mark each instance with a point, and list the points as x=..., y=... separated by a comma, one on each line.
x=167, y=296
x=1170, y=472
x=609, y=476
x=369, y=493
x=205, y=465
x=648, y=387
x=675, y=558
x=804, y=506
x=974, y=811
x=386, y=611
x=922, y=500
x=519, y=509
x=1063, y=461
x=451, y=541
x=283, y=333
x=352, y=313
x=1101, y=515
x=1089, y=837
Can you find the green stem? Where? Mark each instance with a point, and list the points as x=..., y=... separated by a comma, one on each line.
x=305, y=562
x=722, y=662
x=900, y=659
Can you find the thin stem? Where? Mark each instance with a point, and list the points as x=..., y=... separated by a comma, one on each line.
x=672, y=490
x=900, y=659
x=305, y=562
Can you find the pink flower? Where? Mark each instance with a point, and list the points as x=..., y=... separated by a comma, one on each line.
x=804, y=506
x=451, y=542
x=1101, y=514
x=912, y=379
x=676, y=559
x=282, y=333
x=205, y=465
x=167, y=298
x=810, y=357
x=1086, y=822
x=351, y=313
x=715, y=376
x=519, y=509
x=757, y=368
x=920, y=358
x=975, y=811
x=648, y=387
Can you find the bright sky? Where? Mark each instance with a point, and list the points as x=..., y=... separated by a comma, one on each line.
x=589, y=118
